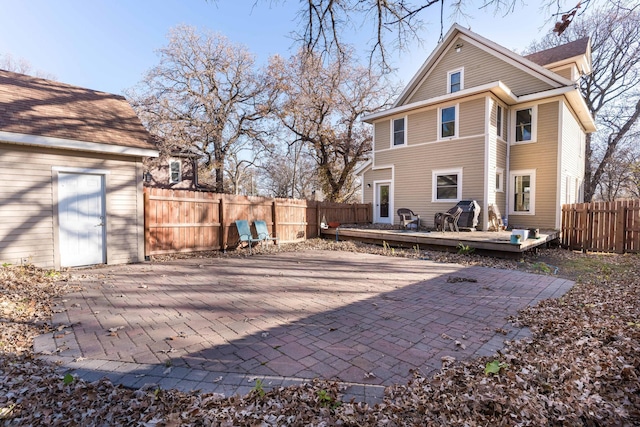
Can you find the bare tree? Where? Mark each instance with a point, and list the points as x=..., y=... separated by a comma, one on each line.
x=204, y=93
x=324, y=23
x=617, y=177
x=611, y=90
x=22, y=66
x=290, y=172
x=321, y=104
x=634, y=178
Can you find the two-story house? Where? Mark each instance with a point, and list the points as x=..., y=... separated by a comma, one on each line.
x=480, y=122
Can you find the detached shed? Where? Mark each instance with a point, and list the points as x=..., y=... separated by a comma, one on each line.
x=72, y=161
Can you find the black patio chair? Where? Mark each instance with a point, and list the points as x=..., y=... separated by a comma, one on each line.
x=449, y=219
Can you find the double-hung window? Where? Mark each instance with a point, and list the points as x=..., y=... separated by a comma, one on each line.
x=398, y=131
x=523, y=192
x=455, y=80
x=175, y=171
x=448, y=122
x=447, y=185
x=525, y=124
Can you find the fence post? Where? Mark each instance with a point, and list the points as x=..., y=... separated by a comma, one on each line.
x=621, y=224
x=223, y=228
x=274, y=218
x=147, y=231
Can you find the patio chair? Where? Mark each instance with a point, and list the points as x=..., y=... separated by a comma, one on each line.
x=408, y=219
x=449, y=218
x=244, y=232
x=263, y=232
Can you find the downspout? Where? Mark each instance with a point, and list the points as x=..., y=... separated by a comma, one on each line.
x=507, y=173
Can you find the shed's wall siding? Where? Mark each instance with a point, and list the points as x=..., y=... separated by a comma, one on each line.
x=27, y=203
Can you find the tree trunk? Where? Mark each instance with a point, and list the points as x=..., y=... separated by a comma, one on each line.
x=219, y=180
x=588, y=185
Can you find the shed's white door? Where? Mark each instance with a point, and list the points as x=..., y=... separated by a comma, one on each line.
x=81, y=219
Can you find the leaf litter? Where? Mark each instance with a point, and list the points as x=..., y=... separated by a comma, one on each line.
x=580, y=366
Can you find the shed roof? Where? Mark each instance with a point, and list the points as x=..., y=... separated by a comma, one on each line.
x=46, y=108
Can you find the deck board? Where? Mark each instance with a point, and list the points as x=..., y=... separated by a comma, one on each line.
x=490, y=242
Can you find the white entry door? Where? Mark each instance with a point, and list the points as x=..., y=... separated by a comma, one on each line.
x=81, y=219
x=382, y=208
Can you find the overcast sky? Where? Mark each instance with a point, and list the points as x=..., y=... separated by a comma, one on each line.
x=109, y=44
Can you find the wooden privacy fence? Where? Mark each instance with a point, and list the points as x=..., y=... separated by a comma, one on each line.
x=602, y=226
x=189, y=221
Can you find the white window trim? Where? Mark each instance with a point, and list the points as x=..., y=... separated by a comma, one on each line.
x=450, y=73
x=171, y=181
x=532, y=191
x=457, y=125
x=500, y=173
x=534, y=124
x=434, y=185
x=406, y=122
x=499, y=120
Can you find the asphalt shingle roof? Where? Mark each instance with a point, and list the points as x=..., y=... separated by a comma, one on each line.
x=35, y=106
x=558, y=53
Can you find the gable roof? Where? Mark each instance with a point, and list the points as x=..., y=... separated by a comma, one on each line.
x=560, y=86
x=530, y=67
x=560, y=53
x=45, y=112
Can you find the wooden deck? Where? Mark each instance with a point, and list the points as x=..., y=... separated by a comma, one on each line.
x=484, y=242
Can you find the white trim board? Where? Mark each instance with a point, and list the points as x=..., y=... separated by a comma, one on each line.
x=70, y=144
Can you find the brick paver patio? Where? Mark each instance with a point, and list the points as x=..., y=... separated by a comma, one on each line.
x=218, y=324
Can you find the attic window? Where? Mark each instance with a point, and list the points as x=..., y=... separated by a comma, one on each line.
x=175, y=171
x=455, y=81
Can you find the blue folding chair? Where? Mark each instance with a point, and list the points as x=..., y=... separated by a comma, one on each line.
x=244, y=231
x=263, y=232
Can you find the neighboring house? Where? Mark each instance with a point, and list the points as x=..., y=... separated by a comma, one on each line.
x=177, y=170
x=72, y=161
x=479, y=122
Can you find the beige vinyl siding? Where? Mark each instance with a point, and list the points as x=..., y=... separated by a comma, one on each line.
x=26, y=209
x=369, y=177
x=542, y=156
x=501, y=162
x=413, y=173
x=498, y=156
x=565, y=72
x=572, y=156
x=471, y=116
x=423, y=127
x=492, y=155
x=480, y=67
x=414, y=163
x=382, y=134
